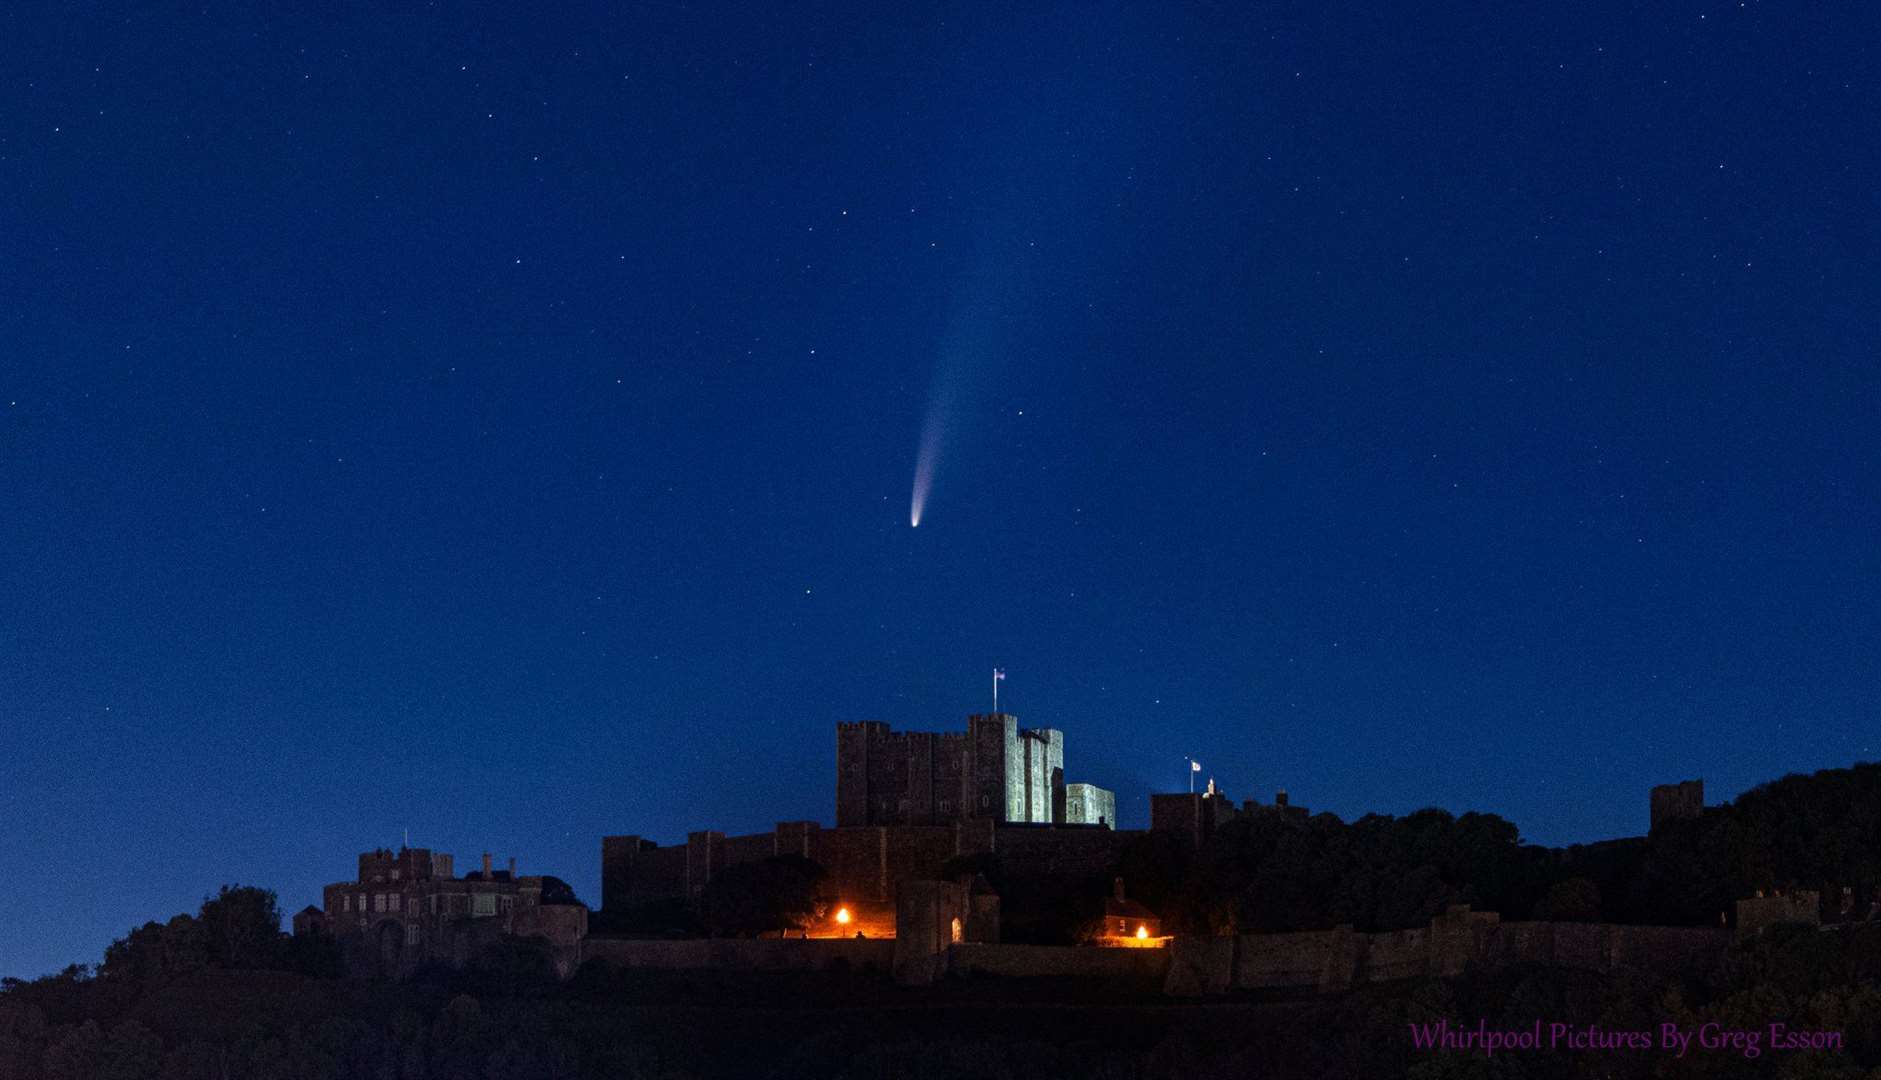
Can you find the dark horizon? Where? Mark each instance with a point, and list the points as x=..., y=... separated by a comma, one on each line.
x=510, y=427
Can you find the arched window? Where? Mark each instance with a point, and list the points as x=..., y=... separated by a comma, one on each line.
x=956, y=932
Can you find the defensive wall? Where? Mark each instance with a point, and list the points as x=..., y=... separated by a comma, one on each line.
x=732, y=954
x=942, y=929
x=1034, y=961
x=864, y=863
x=1335, y=960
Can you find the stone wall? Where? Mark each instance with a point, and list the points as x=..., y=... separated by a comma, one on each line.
x=918, y=852
x=1075, y=849
x=1074, y=961
x=854, y=861
x=1335, y=960
x=1757, y=912
x=863, y=863
x=728, y=954
x=1088, y=804
x=756, y=847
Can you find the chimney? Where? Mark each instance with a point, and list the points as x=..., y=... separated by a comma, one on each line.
x=1117, y=887
x=486, y=866
x=512, y=868
x=1280, y=797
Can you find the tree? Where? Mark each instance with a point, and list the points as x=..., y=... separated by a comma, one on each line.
x=242, y=927
x=1574, y=900
x=155, y=953
x=779, y=893
x=557, y=891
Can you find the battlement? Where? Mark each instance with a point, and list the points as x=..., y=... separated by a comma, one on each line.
x=993, y=771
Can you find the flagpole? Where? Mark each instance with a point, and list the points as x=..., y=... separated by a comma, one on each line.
x=995, y=691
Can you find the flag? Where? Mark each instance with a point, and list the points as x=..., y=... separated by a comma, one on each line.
x=999, y=674
x=1194, y=765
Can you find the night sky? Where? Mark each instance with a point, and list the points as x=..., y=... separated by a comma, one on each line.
x=504, y=426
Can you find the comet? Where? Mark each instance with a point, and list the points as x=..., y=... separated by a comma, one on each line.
x=925, y=459
x=961, y=374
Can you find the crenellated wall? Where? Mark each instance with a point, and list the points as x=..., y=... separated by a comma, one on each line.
x=863, y=863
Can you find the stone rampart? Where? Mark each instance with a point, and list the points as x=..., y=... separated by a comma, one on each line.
x=733, y=954
x=1334, y=960
x=1034, y=961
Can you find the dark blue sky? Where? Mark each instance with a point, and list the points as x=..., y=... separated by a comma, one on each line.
x=501, y=426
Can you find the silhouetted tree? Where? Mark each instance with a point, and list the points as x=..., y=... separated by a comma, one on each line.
x=779, y=893
x=241, y=927
x=557, y=891
x=1574, y=900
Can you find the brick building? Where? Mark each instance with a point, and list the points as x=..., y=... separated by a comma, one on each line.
x=406, y=907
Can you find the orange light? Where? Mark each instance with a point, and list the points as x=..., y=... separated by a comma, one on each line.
x=1142, y=931
x=842, y=915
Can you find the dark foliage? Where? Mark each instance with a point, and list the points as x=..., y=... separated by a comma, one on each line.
x=1273, y=872
x=775, y=894
x=653, y=918
x=557, y=891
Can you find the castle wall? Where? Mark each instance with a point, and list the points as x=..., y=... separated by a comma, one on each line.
x=1041, y=849
x=1755, y=913
x=729, y=954
x=1331, y=960
x=918, y=851
x=862, y=863
x=1063, y=961
x=737, y=850
x=1088, y=804
x=852, y=770
x=1179, y=813
x=702, y=858
x=634, y=871
x=987, y=756
x=1016, y=760
x=797, y=838
x=888, y=777
x=664, y=874
x=1403, y=954
x=855, y=860
x=953, y=799
x=920, y=787
x=1266, y=961
x=1050, y=795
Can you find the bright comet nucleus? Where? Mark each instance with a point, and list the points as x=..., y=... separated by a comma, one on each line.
x=924, y=462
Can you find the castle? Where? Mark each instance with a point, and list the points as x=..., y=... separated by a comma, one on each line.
x=994, y=771
x=906, y=802
x=407, y=908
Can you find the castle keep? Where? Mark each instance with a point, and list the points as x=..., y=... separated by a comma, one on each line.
x=994, y=771
x=906, y=802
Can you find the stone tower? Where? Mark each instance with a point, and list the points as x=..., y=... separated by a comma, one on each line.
x=1670, y=802
x=994, y=771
